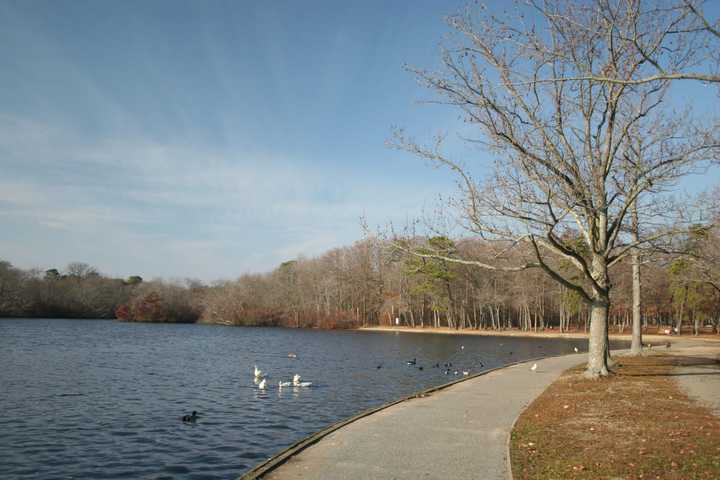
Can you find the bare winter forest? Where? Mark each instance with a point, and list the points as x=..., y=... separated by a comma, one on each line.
x=374, y=283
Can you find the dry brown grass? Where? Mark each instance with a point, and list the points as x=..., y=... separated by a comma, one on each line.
x=636, y=424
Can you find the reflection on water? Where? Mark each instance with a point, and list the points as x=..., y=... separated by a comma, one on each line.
x=103, y=399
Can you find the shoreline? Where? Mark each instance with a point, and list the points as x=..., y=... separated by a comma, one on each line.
x=281, y=458
x=311, y=456
x=530, y=334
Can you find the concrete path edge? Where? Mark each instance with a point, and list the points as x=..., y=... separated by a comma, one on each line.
x=278, y=459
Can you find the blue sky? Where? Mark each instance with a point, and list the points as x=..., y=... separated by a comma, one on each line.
x=205, y=139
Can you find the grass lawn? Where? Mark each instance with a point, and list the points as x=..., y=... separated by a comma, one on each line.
x=635, y=424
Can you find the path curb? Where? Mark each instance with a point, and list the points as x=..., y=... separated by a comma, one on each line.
x=280, y=458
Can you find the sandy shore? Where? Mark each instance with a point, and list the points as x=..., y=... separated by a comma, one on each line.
x=647, y=337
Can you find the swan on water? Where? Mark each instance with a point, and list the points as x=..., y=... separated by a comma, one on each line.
x=258, y=373
x=292, y=355
x=297, y=383
x=465, y=373
x=262, y=384
x=534, y=367
x=282, y=384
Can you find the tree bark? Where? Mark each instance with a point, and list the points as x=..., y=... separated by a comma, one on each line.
x=598, y=350
x=636, y=343
x=599, y=343
x=681, y=313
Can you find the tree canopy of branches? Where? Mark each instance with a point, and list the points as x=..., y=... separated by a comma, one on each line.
x=557, y=93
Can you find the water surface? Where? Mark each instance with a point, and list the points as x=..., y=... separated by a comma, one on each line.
x=103, y=399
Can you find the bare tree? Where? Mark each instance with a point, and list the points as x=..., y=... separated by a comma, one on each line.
x=560, y=183
x=674, y=39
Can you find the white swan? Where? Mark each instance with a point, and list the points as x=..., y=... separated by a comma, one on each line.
x=262, y=384
x=258, y=373
x=282, y=384
x=297, y=383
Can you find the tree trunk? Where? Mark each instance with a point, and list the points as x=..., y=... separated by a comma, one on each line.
x=598, y=349
x=681, y=314
x=636, y=344
x=599, y=343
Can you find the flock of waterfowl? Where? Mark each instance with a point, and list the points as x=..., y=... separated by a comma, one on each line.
x=447, y=367
x=261, y=381
x=261, y=377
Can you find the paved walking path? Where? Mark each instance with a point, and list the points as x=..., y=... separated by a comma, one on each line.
x=460, y=432
x=700, y=381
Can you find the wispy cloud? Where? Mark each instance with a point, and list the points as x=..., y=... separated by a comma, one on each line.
x=213, y=141
x=190, y=206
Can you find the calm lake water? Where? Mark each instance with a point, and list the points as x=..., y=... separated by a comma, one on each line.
x=103, y=399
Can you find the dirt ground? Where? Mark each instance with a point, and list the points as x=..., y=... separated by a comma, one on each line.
x=636, y=424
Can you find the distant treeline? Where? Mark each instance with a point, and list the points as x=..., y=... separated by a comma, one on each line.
x=79, y=291
x=369, y=284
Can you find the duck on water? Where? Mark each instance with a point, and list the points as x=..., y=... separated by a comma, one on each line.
x=190, y=418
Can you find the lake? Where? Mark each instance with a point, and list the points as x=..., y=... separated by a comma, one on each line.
x=103, y=399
